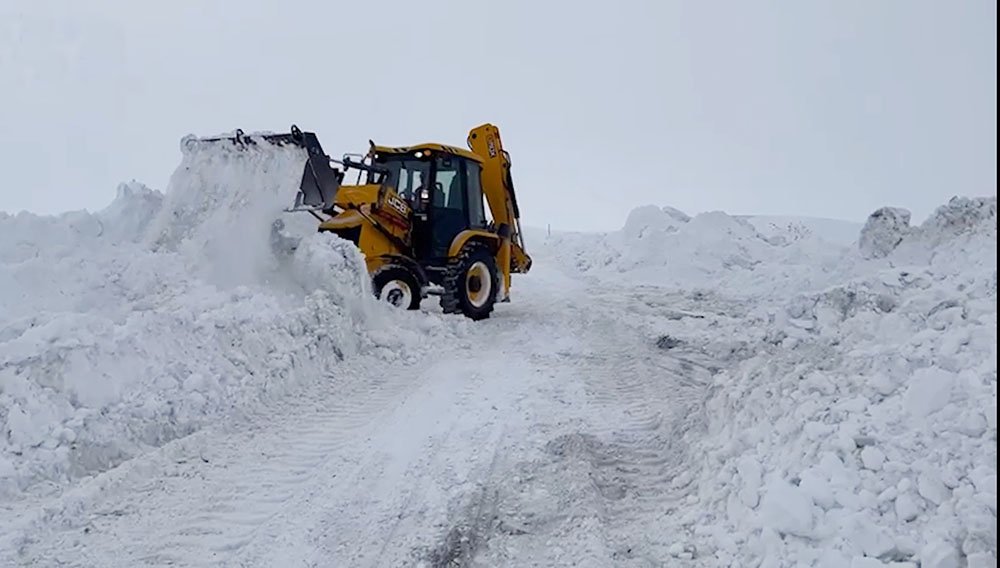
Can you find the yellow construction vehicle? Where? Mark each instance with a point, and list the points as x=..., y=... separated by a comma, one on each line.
x=417, y=214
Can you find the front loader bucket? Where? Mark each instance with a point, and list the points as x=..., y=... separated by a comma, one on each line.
x=320, y=181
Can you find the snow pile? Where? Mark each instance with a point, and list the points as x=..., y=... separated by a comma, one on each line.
x=651, y=219
x=665, y=247
x=884, y=230
x=863, y=429
x=44, y=258
x=220, y=204
x=125, y=328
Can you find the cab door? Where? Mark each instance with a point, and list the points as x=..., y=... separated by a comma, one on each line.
x=449, y=204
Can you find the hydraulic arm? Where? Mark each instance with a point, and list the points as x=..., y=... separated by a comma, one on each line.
x=498, y=187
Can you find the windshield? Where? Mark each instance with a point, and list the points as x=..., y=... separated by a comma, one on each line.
x=406, y=174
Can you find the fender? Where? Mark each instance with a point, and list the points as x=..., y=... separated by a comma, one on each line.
x=460, y=240
x=409, y=263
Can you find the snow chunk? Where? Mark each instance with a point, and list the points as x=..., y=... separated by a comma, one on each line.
x=324, y=261
x=129, y=215
x=930, y=487
x=872, y=458
x=906, y=507
x=787, y=509
x=650, y=221
x=750, y=473
x=939, y=554
x=27, y=429
x=962, y=215
x=676, y=214
x=883, y=231
x=928, y=392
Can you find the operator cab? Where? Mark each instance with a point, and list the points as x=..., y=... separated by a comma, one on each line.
x=443, y=187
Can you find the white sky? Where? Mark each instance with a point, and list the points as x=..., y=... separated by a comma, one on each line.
x=821, y=108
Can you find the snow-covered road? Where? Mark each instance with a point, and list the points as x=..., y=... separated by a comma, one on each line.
x=706, y=391
x=553, y=434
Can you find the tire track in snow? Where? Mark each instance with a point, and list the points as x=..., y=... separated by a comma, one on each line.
x=654, y=412
x=438, y=446
x=604, y=490
x=555, y=435
x=217, y=497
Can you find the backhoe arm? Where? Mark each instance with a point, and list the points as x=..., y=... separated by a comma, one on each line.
x=498, y=187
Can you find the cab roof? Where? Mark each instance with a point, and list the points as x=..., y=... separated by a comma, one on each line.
x=427, y=147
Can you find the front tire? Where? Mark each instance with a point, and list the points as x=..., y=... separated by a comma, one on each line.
x=470, y=286
x=397, y=286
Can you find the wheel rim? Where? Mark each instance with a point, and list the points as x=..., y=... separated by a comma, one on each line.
x=478, y=284
x=396, y=293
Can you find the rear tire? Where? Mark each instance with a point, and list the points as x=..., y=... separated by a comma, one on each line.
x=470, y=286
x=397, y=286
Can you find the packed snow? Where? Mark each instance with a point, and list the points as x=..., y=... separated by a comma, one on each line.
x=177, y=386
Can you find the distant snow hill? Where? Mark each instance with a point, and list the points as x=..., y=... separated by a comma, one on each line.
x=836, y=231
x=753, y=255
x=666, y=247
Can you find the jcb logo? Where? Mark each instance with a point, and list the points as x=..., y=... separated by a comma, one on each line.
x=491, y=145
x=398, y=204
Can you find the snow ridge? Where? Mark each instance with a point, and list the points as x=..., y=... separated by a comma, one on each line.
x=862, y=429
x=853, y=420
x=710, y=251
x=128, y=327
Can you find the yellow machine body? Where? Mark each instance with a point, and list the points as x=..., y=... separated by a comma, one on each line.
x=426, y=246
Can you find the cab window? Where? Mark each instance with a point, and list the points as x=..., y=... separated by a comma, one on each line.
x=448, y=186
x=405, y=174
x=473, y=174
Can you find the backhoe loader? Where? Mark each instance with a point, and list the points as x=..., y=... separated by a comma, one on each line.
x=417, y=214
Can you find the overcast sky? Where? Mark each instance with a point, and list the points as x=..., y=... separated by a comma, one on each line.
x=819, y=108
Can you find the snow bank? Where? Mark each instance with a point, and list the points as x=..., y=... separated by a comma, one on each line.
x=44, y=258
x=125, y=328
x=854, y=420
x=714, y=250
x=862, y=430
